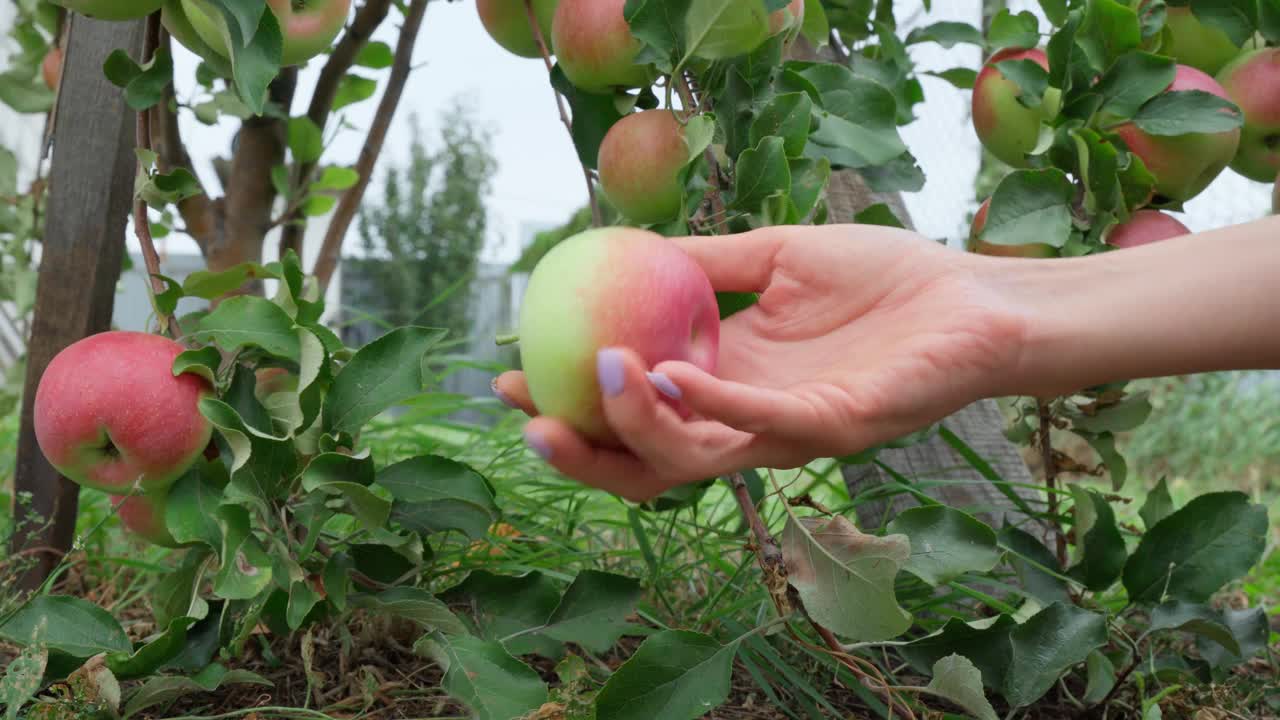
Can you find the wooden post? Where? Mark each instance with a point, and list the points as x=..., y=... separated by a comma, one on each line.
x=91, y=191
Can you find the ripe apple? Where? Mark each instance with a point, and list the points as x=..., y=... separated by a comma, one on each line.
x=1184, y=165
x=309, y=27
x=51, y=67
x=1252, y=81
x=109, y=411
x=981, y=247
x=1191, y=42
x=507, y=23
x=1146, y=226
x=738, y=27
x=611, y=287
x=143, y=515
x=640, y=162
x=111, y=9
x=1007, y=128
x=594, y=46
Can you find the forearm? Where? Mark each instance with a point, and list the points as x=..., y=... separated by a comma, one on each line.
x=1200, y=303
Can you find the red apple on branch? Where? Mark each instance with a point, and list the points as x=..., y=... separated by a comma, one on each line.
x=109, y=412
x=111, y=9
x=640, y=162
x=1252, y=81
x=611, y=287
x=1145, y=226
x=1008, y=129
x=594, y=46
x=143, y=515
x=507, y=22
x=308, y=27
x=981, y=247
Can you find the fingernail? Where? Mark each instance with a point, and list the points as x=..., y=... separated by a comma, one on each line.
x=664, y=385
x=609, y=372
x=538, y=444
x=493, y=385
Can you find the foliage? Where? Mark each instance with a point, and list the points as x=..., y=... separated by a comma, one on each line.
x=421, y=243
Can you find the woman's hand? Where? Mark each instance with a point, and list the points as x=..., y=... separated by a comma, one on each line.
x=861, y=334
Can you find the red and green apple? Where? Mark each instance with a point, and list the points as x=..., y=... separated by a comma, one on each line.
x=640, y=162
x=595, y=48
x=1252, y=81
x=308, y=27
x=507, y=22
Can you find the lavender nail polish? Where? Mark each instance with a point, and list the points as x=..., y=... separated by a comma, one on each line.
x=503, y=397
x=609, y=372
x=664, y=385
x=538, y=444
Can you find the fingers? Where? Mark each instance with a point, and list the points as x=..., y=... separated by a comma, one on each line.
x=510, y=388
x=741, y=262
x=746, y=408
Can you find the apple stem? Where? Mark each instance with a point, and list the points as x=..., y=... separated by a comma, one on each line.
x=506, y=340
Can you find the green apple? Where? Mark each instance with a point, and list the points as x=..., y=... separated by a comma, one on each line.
x=595, y=48
x=1145, y=226
x=143, y=515
x=109, y=412
x=1184, y=165
x=308, y=27
x=111, y=9
x=640, y=162
x=981, y=247
x=1007, y=128
x=507, y=22
x=1191, y=42
x=174, y=19
x=611, y=287
x=1252, y=81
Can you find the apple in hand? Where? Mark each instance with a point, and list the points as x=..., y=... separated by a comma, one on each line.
x=1184, y=165
x=1252, y=81
x=594, y=46
x=308, y=27
x=611, y=287
x=981, y=247
x=111, y=9
x=109, y=411
x=1191, y=42
x=1145, y=226
x=640, y=162
x=507, y=23
x=1008, y=129
x=143, y=515
x=51, y=67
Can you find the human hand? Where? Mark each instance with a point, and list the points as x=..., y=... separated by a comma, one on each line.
x=861, y=334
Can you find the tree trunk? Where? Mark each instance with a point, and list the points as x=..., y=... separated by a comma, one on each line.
x=89, y=199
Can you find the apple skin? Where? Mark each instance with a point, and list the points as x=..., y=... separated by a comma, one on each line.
x=595, y=48
x=1191, y=42
x=1144, y=227
x=109, y=411
x=308, y=30
x=51, y=67
x=1252, y=81
x=611, y=287
x=508, y=24
x=640, y=162
x=1029, y=250
x=1184, y=165
x=1007, y=128
x=114, y=10
x=143, y=515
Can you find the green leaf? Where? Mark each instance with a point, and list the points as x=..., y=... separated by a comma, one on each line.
x=945, y=543
x=1202, y=620
x=1030, y=206
x=808, y=185
x=8, y=173
x=1101, y=674
x=162, y=690
x=160, y=189
x=353, y=89
x=147, y=88
x=317, y=205
x=846, y=578
x=1135, y=78
x=593, y=610
x=957, y=679
x=1102, y=551
x=1269, y=20
x=247, y=320
x=1031, y=79
x=336, y=178
x=177, y=593
x=593, y=115
x=191, y=511
x=480, y=674
x=152, y=655
x=1237, y=18
x=210, y=285
x=305, y=140
x=376, y=55
x=245, y=569
x=348, y=476
x=256, y=57
x=1055, y=11
x=120, y=68
x=1249, y=627
x=761, y=172
x=381, y=374
x=857, y=120
x=720, y=29
x=261, y=464
x=1189, y=555
x=1046, y=645
x=985, y=644
x=787, y=116
x=816, y=28
x=960, y=77
x=947, y=34
x=1120, y=417
x=1109, y=29
x=1034, y=564
x=508, y=608
x=203, y=363
x=435, y=494
x=1008, y=30
x=73, y=626
x=1157, y=506
x=1105, y=445
x=24, y=674
x=413, y=604
x=302, y=600
x=1188, y=111
x=674, y=675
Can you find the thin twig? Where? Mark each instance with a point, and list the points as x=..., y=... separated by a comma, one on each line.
x=141, y=225
x=684, y=87
x=331, y=248
x=596, y=219
x=1051, y=479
